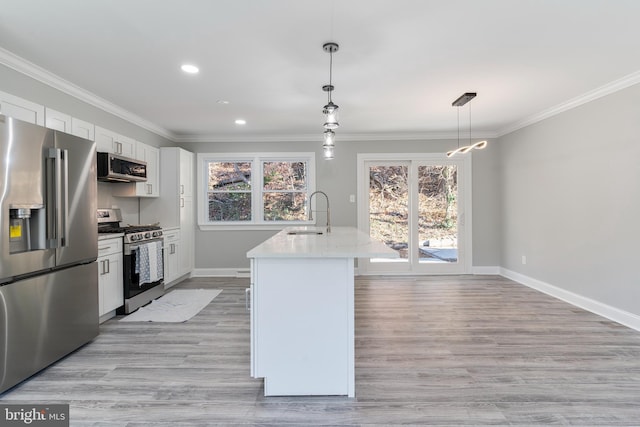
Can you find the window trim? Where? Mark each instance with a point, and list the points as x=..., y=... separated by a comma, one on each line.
x=257, y=208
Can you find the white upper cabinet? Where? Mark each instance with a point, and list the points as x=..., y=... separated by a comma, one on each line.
x=149, y=188
x=186, y=174
x=57, y=120
x=83, y=129
x=21, y=109
x=65, y=123
x=111, y=142
x=151, y=155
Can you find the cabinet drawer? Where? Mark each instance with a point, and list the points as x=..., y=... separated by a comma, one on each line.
x=109, y=246
x=171, y=235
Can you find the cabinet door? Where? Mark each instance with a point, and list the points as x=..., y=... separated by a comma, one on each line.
x=172, y=251
x=150, y=155
x=186, y=174
x=110, y=283
x=126, y=146
x=83, y=129
x=105, y=140
x=57, y=120
x=186, y=236
x=21, y=109
x=112, y=142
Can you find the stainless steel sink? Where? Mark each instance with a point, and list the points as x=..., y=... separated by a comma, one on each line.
x=304, y=232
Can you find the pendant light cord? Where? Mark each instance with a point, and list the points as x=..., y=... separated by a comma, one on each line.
x=458, y=110
x=469, y=124
x=330, y=75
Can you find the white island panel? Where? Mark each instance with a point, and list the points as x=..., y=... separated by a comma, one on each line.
x=305, y=326
x=302, y=310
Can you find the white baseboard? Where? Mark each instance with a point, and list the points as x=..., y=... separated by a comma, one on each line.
x=489, y=270
x=620, y=316
x=221, y=272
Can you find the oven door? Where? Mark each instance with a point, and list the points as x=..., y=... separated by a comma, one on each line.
x=143, y=266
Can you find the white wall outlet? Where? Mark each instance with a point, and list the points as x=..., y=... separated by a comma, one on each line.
x=352, y=198
x=524, y=259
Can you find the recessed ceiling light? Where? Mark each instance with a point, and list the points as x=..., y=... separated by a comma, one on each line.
x=241, y=122
x=188, y=68
x=222, y=101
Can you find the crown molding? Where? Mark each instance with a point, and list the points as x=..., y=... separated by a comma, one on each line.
x=607, y=89
x=32, y=70
x=346, y=137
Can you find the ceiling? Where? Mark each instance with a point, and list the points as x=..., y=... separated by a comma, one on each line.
x=400, y=65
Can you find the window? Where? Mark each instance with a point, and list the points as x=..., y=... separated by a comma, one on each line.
x=262, y=190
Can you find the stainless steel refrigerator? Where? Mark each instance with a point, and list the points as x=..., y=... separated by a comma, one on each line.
x=48, y=247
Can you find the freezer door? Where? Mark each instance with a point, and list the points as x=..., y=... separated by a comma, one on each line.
x=22, y=189
x=78, y=195
x=45, y=318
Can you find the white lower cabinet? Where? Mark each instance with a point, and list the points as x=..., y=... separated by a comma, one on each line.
x=187, y=236
x=171, y=256
x=110, y=286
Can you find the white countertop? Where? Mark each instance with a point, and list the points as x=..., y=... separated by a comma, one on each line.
x=342, y=242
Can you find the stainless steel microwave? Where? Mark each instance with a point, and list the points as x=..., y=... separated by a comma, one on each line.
x=115, y=168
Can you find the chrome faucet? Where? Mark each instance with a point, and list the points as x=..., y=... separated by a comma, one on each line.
x=328, y=210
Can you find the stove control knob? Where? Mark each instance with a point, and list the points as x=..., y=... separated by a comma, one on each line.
x=147, y=235
x=133, y=237
x=157, y=233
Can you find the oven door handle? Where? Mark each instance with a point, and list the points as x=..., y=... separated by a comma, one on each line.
x=131, y=247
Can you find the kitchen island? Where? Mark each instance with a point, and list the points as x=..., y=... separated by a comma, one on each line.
x=302, y=309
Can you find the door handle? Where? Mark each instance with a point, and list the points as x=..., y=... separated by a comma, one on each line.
x=53, y=160
x=247, y=299
x=64, y=205
x=108, y=264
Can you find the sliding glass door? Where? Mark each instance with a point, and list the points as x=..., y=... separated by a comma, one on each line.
x=416, y=205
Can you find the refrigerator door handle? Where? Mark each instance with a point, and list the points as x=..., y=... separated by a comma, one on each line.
x=64, y=205
x=52, y=157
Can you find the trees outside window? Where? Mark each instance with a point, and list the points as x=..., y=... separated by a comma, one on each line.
x=257, y=189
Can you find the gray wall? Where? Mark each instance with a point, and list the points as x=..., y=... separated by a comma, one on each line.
x=227, y=249
x=32, y=90
x=25, y=87
x=570, y=200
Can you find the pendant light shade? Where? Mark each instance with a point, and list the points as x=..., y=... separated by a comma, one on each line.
x=329, y=138
x=331, y=116
x=328, y=152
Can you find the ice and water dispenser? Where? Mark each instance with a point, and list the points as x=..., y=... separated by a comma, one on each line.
x=27, y=229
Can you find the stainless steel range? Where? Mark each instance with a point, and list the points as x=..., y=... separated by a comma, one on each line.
x=143, y=259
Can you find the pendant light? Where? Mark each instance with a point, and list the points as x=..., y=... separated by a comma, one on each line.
x=330, y=110
x=462, y=100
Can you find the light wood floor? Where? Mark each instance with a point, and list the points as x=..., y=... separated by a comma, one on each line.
x=429, y=351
